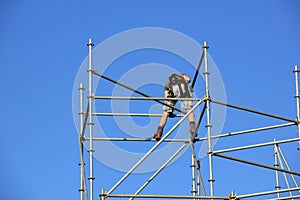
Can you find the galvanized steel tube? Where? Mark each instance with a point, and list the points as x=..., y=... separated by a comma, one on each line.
x=82, y=189
x=296, y=71
x=153, y=196
x=193, y=166
x=266, y=193
x=160, y=169
x=287, y=165
x=91, y=123
x=257, y=145
x=277, y=186
x=208, y=126
x=153, y=148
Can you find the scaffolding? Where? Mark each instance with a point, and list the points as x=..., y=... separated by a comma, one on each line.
x=198, y=189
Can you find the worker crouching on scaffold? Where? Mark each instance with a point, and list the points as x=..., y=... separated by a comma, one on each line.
x=176, y=87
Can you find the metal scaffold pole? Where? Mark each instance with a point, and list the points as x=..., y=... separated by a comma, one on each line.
x=280, y=153
x=284, y=174
x=82, y=188
x=91, y=123
x=208, y=126
x=296, y=71
x=88, y=131
x=277, y=186
x=153, y=148
x=160, y=169
x=197, y=184
x=193, y=167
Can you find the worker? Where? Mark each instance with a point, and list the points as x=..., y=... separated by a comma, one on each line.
x=177, y=87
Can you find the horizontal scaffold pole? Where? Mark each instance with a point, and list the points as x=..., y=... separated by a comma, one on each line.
x=153, y=196
x=257, y=145
x=247, y=131
x=154, y=147
x=145, y=98
x=137, y=139
x=253, y=130
x=134, y=90
x=253, y=111
x=256, y=164
x=267, y=193
x=287, y=197
x=204, y=138
x=134, y=114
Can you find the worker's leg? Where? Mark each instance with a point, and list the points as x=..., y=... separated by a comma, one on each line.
x=163, y=119
x=191, y=116
x=162, y=122
x=160, y=128
x=188, y=106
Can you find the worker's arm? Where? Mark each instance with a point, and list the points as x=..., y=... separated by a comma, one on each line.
x=166, y=93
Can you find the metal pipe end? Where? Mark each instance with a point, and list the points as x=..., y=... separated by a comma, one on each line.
x=296, y=69
x=90, y=43
x=232, y=195
x=205, y=45
x=81, y=87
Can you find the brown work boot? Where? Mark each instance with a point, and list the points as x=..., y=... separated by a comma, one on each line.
x=193, y=130
x=157, y=135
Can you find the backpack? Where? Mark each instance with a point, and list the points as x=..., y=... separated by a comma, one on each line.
x=177, y=84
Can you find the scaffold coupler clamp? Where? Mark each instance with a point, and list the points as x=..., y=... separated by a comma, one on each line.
x=232, y=195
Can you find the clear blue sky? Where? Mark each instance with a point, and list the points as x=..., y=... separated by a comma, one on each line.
x=255, y=45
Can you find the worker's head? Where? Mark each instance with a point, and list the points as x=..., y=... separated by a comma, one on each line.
x=186, y=78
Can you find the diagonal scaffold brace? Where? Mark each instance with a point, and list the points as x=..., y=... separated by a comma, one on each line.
x=136, y=91
x=154, y=147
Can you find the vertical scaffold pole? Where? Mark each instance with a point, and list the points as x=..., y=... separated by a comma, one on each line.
x=81, y=164
x=193, y=165
x=296, y=71
x=102, y=194
x=277, y=186
x=208, y=126
x=91, y=123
